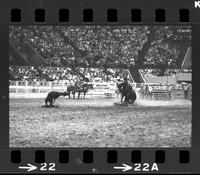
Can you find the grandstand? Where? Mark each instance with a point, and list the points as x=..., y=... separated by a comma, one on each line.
x=57, y=56
x=96, y=46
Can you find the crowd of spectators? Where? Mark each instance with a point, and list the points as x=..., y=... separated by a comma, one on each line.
x=43, y=39
x=23, y=73
x=158, y=72
x=102, y=45
x=43, y=73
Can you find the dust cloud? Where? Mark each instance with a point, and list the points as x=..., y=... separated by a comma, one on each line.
x=148, y=102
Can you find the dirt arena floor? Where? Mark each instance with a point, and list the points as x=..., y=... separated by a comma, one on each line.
x=99, y=123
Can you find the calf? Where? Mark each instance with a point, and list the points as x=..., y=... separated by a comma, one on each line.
x=52, y=96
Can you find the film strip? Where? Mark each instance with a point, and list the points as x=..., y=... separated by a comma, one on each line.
x=99, y=86
x=112, y=15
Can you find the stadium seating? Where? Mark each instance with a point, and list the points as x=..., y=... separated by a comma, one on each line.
x=43, y=73
x=74, y=47
x=90, y=45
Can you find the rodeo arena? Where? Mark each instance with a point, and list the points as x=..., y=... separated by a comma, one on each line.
x=100, y=86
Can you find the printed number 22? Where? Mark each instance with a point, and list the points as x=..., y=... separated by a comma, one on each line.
x=51, y=167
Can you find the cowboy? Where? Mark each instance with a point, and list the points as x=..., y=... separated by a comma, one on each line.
x=125, y=88
x=125, y=83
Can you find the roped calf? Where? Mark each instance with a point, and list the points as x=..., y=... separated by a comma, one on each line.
x=52, y=96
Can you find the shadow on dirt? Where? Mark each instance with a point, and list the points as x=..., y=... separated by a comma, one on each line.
x=53, y=106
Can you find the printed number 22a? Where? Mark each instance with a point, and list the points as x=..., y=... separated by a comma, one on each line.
x=47, y=167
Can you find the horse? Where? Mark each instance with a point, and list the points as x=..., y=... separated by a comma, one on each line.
x=52, y=96
x=127, y=91
x=131, y=97
x=79, y=89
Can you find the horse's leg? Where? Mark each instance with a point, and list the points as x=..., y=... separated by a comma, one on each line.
x=122, y=98
x=79, y=95
x=130, y=99
x=54, y=100
x=84, y=94
x=73, y=95
x=126, y=99
x=51, y=102
x=46, y=102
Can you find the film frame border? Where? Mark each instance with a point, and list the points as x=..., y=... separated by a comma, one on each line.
x=111, y=15
x=174, y=12
x=194, y=151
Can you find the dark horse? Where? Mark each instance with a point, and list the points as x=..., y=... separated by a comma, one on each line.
x=79, y=89
x=127, y=91
x=52, y=96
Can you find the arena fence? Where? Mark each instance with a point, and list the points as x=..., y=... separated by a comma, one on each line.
x=162, y=94
x=31, y=89
x=167, y=94
x=38, y=89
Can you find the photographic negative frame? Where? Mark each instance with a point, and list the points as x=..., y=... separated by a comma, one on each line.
x=94, y=159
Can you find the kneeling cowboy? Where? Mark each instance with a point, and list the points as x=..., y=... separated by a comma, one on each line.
x=125, y=83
